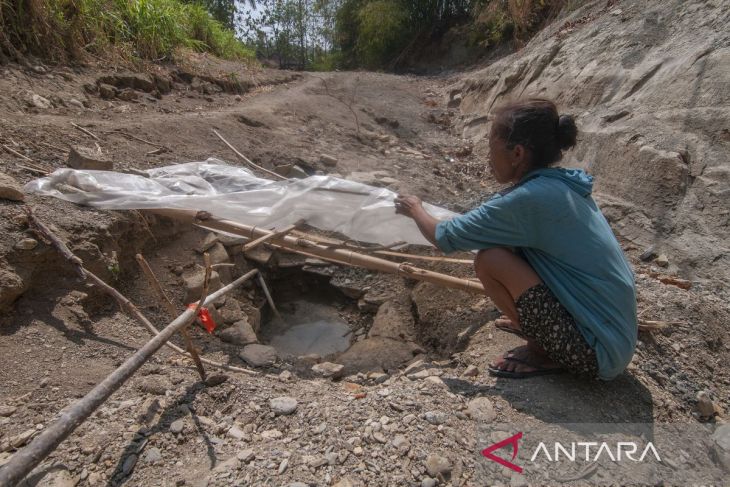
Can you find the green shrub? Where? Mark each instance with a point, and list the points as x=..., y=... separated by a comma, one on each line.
x=148, y=29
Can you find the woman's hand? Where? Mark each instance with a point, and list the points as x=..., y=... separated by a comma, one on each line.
x=408, y=205
x=412, y=207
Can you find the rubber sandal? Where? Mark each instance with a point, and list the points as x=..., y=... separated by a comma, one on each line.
x=508, y=374
x=511, y=330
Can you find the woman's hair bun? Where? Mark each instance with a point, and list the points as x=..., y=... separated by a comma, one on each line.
x=567, y=132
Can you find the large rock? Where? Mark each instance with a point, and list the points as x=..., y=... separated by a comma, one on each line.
x=239, y=333
x=10, y=189
x=258, y=355
x=653, y=113
x=194, y=284
x=84, y=158
x=394, y=320
x=377, y=353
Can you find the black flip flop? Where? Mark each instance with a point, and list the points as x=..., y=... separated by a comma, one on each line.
x=508, y=374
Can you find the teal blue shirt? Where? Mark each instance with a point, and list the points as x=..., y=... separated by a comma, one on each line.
x=552, y=218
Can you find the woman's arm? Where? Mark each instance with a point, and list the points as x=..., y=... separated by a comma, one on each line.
x=412, y=207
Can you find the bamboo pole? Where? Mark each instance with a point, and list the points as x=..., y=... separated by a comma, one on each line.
x=25, y=460
x=171, y=311
x=301, y=245
x=270, y=236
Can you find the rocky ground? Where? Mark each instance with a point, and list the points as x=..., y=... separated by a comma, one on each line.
x=404, y=405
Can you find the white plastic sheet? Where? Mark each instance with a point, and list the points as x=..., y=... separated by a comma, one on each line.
x=359, y=211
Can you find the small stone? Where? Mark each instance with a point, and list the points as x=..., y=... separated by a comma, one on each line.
x=94, y=478
x=409, y=418
x=328, y=160
x=10, y=189
x=246, y=455
x=328, y=369
x=177, y=426
x=129, y=463
x=258, y=355
x=648, y=254
x=471, y=371
x=283, y=466
x=239, y=333
x=379, y=437
x=428, y=482
x=344, y=482
x=271, y=434
x=44, y=382
x=481, y=409
x=283, y=405
x=705, y=406
x=156, y=385
x=26, y=244
x=435, y=417
x=320, y=429
x=88, y=159
x=40, y=102
x=6, y=411
x=208, y=241
x=298, y=484
x=437, y=465
x=236, y=433
x=662, y=261
x=415, y=367
x=153, y=455
x=19, y=440
x=75, y=104
x=285, y=376
x=107, y=91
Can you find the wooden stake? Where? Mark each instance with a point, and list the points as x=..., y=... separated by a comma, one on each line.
x=266, y=238
x=155, y=283
x=268, y=297
x=246, y=159
x=87, y=132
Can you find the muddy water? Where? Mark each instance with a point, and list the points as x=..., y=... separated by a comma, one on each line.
x=307, y=328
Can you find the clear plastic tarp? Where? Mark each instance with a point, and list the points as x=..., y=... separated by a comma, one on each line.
x=359, y=211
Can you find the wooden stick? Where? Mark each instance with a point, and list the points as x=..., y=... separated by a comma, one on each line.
x=430, y=258
x=23, y=461
x=33, y=170
x=248, y=161
x=45, y=234
x=345, y=256
x=140, y=139
x=13, y=151
x=268, y=297
x=266, y=238
x=155, y=283
x=33, y=165
x=654, y=325
x=87, y=132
